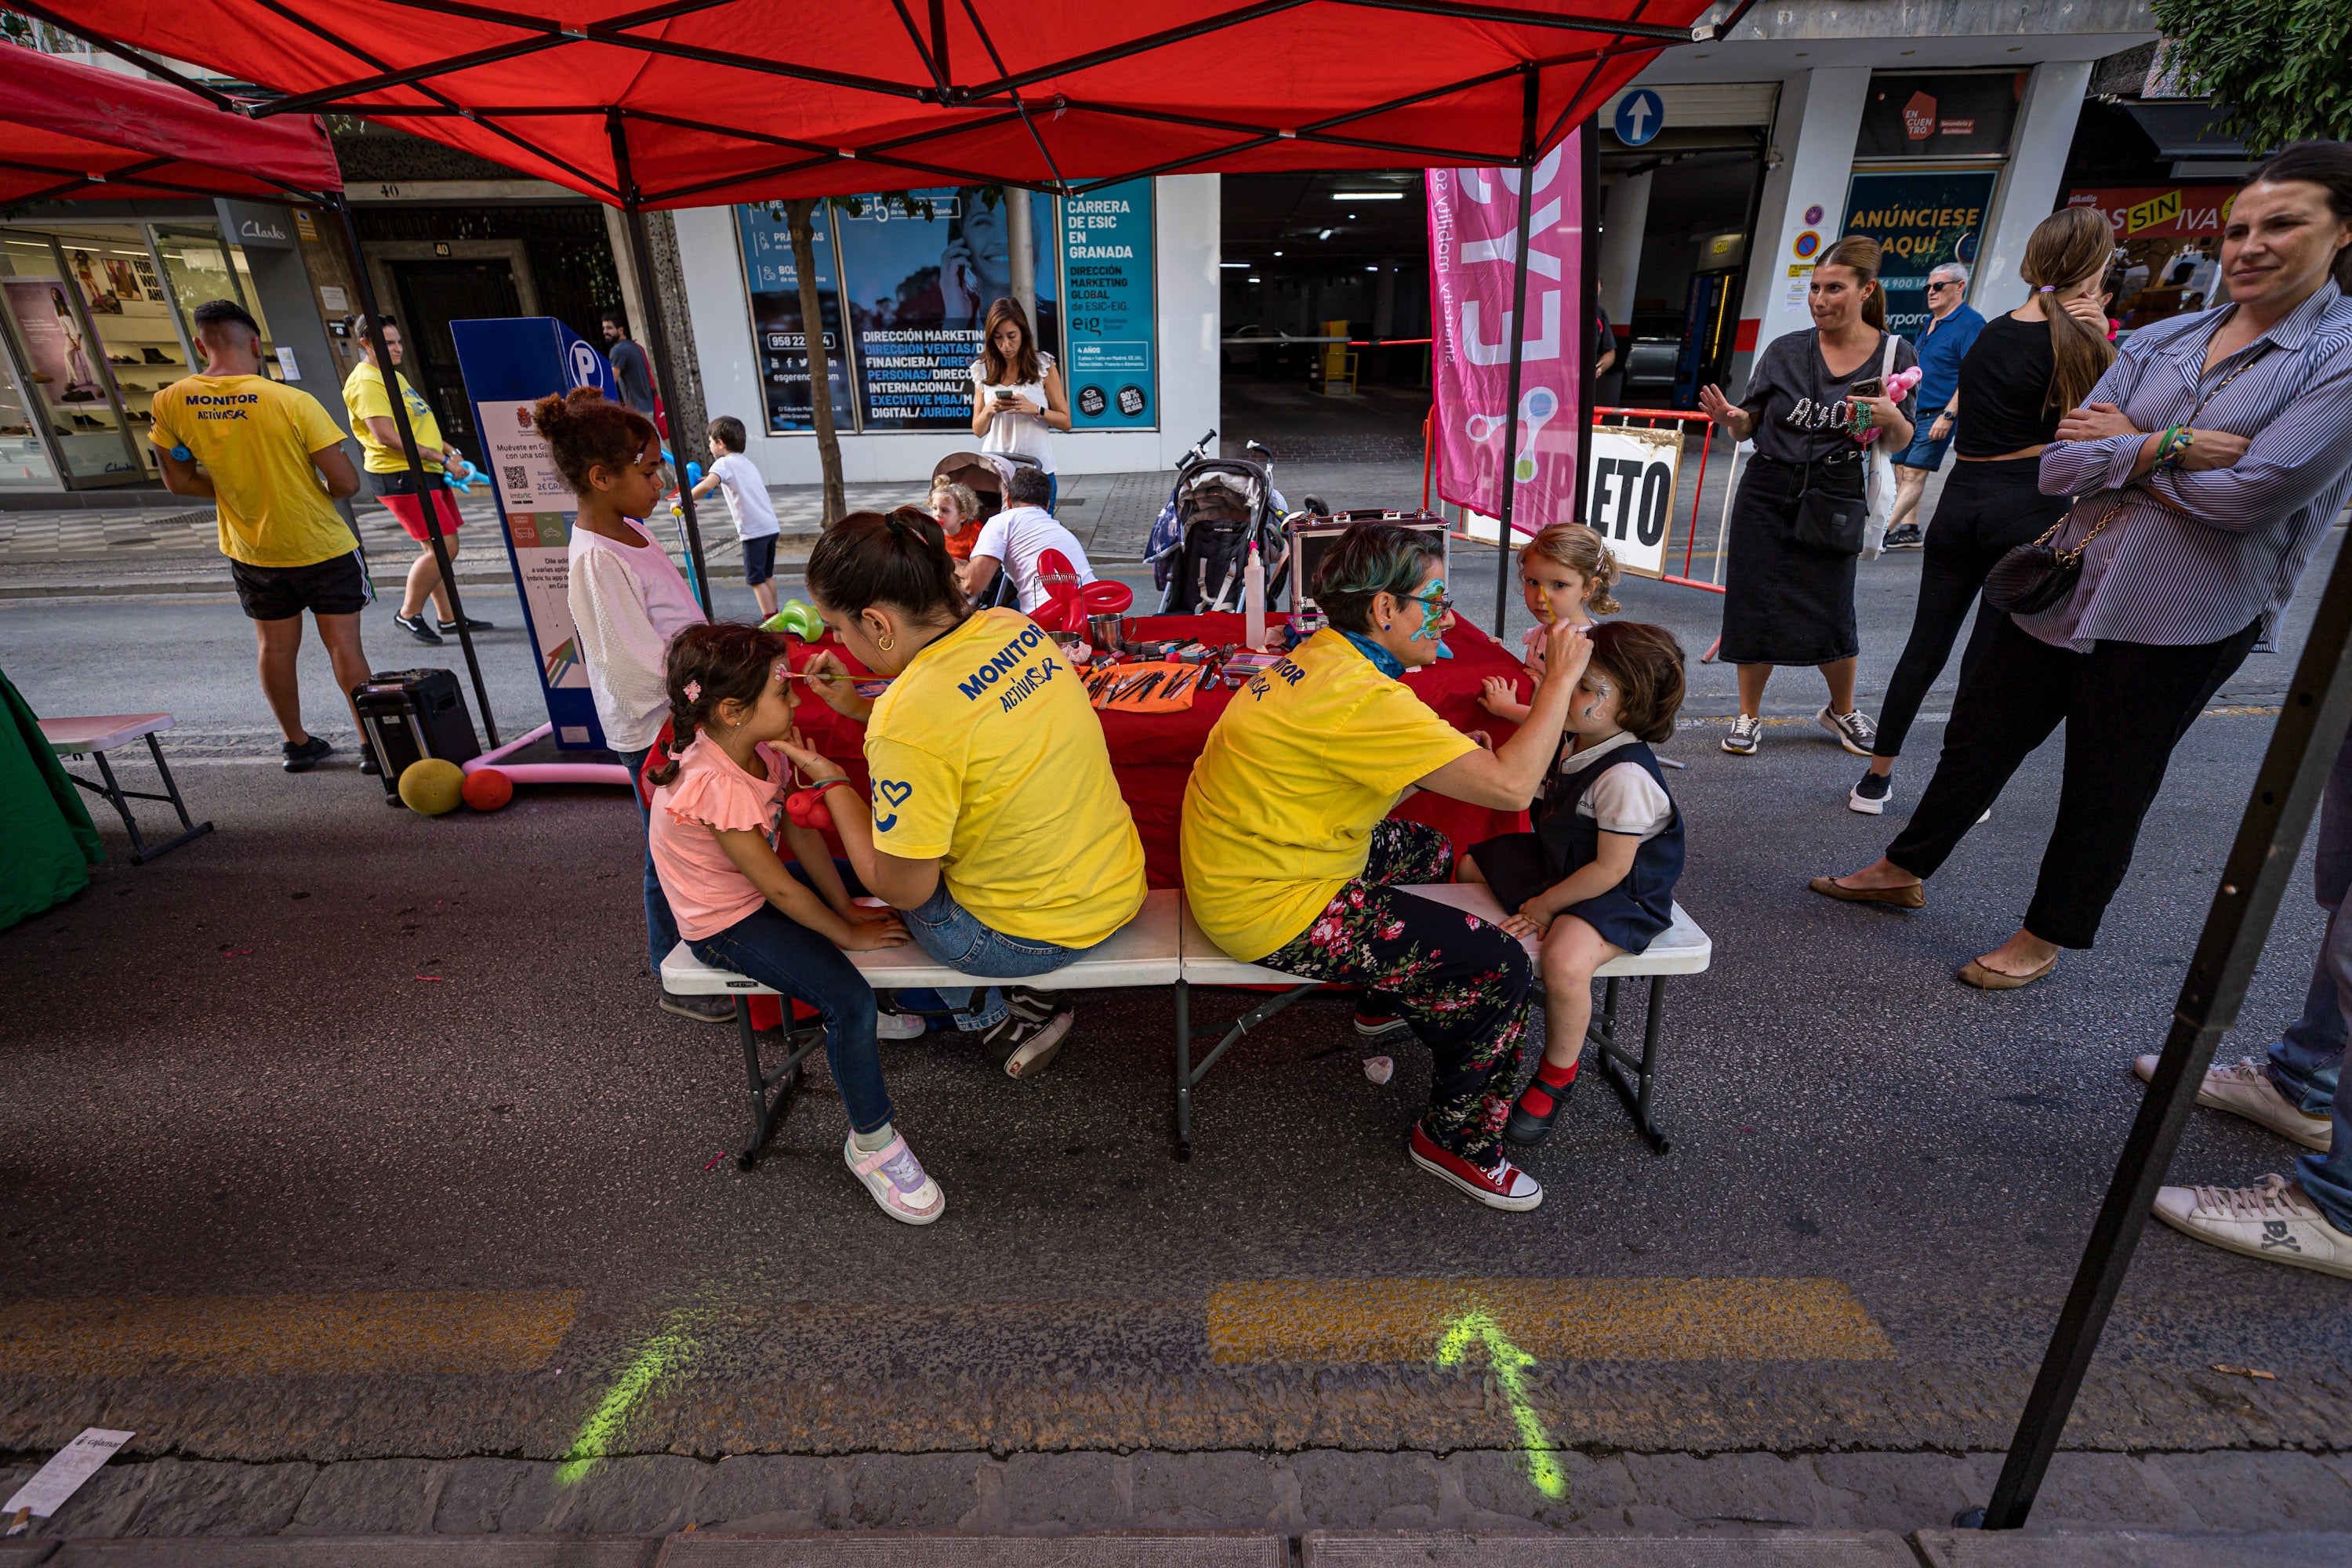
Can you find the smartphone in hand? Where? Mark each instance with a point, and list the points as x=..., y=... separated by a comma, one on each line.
x=1869, y=386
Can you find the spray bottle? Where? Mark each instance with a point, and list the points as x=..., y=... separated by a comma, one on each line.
x=1254, y=601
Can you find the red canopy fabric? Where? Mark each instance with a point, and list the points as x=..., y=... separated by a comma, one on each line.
x=71, y=131
x=729, y=100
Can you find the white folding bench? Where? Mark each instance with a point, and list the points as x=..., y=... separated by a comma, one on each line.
x=1143, y=953
x=95, y=737
x=1164, y=946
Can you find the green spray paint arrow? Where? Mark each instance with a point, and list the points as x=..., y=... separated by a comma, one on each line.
x=667, y=1351
x=1476, y=1326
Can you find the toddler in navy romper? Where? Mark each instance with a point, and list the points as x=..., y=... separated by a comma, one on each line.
x=1552, y=881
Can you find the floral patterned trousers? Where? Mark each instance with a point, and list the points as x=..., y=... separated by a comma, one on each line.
x=1461, y=983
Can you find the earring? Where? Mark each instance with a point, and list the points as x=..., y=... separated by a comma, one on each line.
x=885, y=642
x=1384, y=626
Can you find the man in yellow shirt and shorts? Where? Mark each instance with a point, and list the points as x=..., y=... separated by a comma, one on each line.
x=273, y=461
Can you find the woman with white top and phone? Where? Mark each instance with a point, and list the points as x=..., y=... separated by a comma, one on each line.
x=1017, y=397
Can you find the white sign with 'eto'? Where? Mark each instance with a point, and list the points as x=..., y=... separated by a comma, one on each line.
x=1630, y=500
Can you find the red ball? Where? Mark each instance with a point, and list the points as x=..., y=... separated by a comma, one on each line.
x=819, y=817
x=487, y=789
x=796, y=808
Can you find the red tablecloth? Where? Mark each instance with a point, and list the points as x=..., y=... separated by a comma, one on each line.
x=1152, y=753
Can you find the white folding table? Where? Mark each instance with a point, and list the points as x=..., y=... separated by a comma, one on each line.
x=96, y=736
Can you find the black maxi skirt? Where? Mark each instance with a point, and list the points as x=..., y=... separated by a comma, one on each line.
x=1783, y=603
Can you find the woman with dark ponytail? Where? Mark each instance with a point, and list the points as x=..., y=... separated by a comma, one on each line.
x=1797, y=525
x=718, y=834
x=996, y=825
x=2026, y=371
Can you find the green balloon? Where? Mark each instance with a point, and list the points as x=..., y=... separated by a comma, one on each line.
x=796, y=618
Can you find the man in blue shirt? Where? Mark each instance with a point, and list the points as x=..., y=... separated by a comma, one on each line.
x=1952, y=326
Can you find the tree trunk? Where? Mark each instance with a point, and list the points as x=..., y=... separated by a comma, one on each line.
x=799, y=219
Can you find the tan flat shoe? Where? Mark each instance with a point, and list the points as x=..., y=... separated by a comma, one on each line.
x=1983, y=979
x=1914, y=897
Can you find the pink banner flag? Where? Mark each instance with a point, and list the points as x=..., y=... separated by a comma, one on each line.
x=1474, y=217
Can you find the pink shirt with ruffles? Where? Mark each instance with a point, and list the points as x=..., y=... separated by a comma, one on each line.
x=712, y=796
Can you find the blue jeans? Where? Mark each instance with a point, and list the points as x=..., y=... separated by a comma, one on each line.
x=779, y=952
x=954, y=935
x=2304, y=1064
x=661, y=926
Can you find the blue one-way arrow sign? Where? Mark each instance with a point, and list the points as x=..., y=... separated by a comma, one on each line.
x=1640, y=113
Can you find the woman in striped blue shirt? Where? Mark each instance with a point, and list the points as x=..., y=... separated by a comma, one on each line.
x=2208, y=465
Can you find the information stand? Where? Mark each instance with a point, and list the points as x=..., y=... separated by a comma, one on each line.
x=508, y=365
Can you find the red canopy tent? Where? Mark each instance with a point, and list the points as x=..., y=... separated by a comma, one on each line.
x=706, y=102
x=71, y=131
x=75, y=133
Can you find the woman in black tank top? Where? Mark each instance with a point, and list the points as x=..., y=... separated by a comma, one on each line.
x=2025, y=371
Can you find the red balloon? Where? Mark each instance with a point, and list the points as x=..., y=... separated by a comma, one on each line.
x=487, y=789
x=819, y=817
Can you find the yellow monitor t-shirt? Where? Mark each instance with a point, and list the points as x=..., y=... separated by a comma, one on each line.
x=364, y=399
x=1306, y=760
x=254, y=437
x=986, y=753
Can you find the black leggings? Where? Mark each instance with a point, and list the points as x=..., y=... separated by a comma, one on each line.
x=2124, y=706
x=1986, y=510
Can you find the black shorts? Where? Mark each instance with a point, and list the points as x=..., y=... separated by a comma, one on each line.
x=335, y=587
x=758, y=559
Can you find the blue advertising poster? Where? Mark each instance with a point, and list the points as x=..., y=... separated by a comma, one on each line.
x=1106, y=253
x=918, y=290
x=508, y=365
x=772, y=279
x=1919, y=217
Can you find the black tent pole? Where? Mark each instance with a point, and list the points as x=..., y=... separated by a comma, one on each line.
x=1518, y=329
x=641, y=251
x=2286, y=792
x=426, y=499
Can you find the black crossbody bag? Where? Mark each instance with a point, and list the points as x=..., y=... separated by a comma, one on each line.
x=2038, y=576
x=1832, y=509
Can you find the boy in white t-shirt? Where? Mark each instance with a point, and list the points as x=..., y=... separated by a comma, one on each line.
x=1014, y=538
x=748, y=504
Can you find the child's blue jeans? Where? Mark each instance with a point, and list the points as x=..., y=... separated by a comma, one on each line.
x=777, y=951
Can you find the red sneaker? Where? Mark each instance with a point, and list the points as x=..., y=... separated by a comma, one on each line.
x=1372, y=1026
x=1501, y=1185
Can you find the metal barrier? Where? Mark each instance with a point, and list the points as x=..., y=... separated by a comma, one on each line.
x=1602, y=416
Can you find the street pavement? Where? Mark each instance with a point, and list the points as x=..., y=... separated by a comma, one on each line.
x=412, y=1065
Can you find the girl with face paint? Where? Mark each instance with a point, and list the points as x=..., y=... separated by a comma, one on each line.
x=1597, y=876
x=1566, y=573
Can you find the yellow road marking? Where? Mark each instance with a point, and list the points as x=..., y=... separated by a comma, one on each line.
x=233, y=1336
x=1343, y=1320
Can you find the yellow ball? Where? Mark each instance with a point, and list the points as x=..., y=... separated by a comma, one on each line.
x=432, y=786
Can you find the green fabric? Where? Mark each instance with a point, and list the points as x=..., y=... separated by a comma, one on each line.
x=46, y=842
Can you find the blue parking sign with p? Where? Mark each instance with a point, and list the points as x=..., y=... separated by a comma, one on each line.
x=1640, y=114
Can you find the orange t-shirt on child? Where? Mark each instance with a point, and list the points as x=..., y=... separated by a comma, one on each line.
x=710, y=796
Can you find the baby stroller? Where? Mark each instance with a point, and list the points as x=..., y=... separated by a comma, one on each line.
x=1201, y=543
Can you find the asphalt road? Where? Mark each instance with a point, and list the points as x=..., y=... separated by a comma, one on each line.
x=338, y=1050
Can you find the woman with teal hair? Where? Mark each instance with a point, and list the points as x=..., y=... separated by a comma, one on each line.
x=1292, y=861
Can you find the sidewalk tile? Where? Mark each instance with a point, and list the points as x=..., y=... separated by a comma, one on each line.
x=1499, y=1489
x=1737, y=1488
x=763, y=1492
x=904, y=1491
x=1073, y=1491
x=2274, y=1490
x=187, y=1497
x=1381, y=1491
x=361, y=1551
x=2129, y=1549
x=708, y=1550
x=1203, y=1491
x=1889, y=1491
x=650, y=1495
x=1743, y=1548
x=370, y=1496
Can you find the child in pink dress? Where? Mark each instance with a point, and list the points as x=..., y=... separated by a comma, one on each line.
x=717, y=833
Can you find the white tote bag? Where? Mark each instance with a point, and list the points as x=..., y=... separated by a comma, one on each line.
x=1878, y=476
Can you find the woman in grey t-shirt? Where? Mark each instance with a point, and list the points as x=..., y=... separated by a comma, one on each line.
x=1788, y=578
